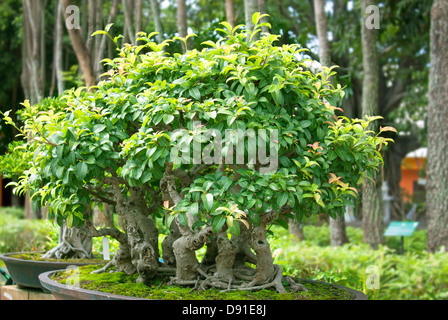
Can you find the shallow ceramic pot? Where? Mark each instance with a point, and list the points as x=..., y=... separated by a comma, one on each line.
x=65, y=292
x=25, y=273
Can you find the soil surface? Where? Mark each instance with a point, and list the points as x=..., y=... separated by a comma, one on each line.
x=120, y=284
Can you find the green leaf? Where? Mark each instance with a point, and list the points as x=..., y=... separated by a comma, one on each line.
x=70, y=220
x=108, y=27
x=66, y=177
x=218, y=222
x=194, y=209
x=98, y=32
x=183, y=219
x=168, y=118
x=340, y=154
x=169, y=220
x=235, y=229
x=195, y=93
x=82, y=170
x=256, y=18
x=262, y=183
x=251, y=203
x=207, y=200
x=282, y=223
x=197, y=189
x=210, y=43
x=60, y=172
x=282, y=199
x=305, y=124
x=274, y=186
x=304, y=183
x=99, y=128
x=146, y=176
x=198, y=224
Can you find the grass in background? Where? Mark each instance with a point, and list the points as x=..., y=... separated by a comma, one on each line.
x=414, y=275
x=20, y=235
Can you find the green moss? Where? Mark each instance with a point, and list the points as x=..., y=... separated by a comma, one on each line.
x=120, y=284
x=36, y=256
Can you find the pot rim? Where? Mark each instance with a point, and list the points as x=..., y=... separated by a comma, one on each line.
x=6, y=257
x=55, y=288
x=51, y=285
x=358, y=295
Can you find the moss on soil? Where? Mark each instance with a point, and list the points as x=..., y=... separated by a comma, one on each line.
x=120, y=284
x=37, y=256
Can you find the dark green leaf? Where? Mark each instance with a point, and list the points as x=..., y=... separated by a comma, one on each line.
x=282, y=199
x=218, y=223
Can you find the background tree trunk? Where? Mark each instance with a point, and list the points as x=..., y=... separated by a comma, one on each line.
x=89, y=41
x=82, y=53
x=322, y=31
x=250, y=7
x=337, y=226
x=58, y=48
x=437, y=165
x=182, y=25
x=102, y=46
x=372, y=204
x=296, y=229
x=32, y=76
x=128, y=32
x=155, y=8
x=230, y=13
x=263, y=9
x=138, y=15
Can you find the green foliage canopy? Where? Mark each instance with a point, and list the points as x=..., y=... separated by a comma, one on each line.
x=123, y=131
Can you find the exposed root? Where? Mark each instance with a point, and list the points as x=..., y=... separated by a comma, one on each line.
x=103, y=269
x=207, y=280
x=66, y=250
x=276, y=282
x=196, y=285
x=294, y=286
x=74, y=243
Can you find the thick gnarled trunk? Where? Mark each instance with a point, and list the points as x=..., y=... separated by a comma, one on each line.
x=185, y=249
x=225, y=264
x=142, y=235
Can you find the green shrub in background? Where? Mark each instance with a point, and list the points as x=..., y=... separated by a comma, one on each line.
x=414, y=275
x=15, y=212
x=20, y=235
x=320, y=236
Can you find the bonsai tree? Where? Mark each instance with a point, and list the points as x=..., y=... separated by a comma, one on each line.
x=73, y=242
x=217, y=145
